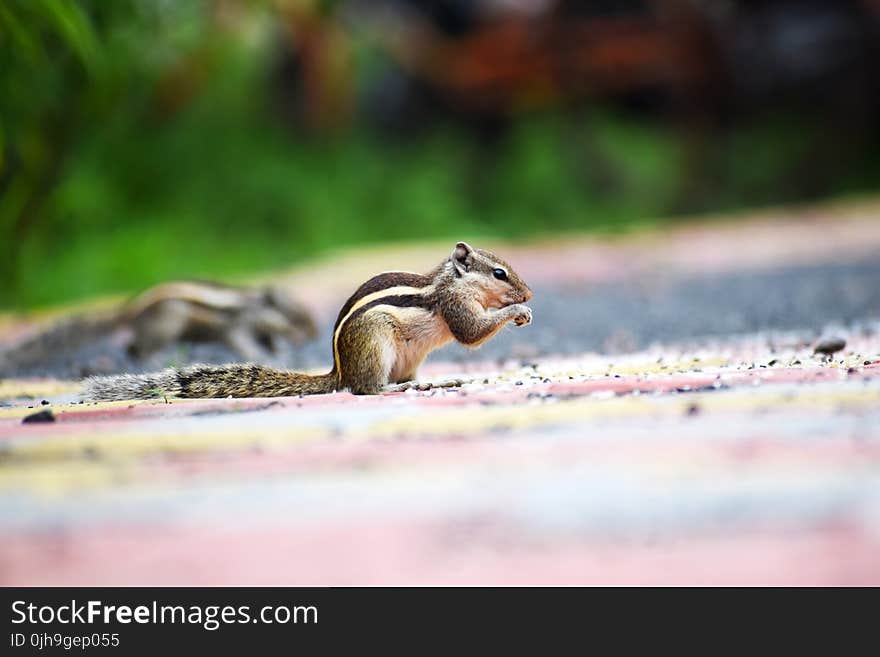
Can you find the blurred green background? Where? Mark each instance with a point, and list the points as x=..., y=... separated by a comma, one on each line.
x=142, y=140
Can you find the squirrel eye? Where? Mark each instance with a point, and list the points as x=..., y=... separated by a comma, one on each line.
x=500, y=274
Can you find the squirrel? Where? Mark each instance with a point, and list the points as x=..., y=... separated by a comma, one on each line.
x=381, y=335
x=250, y=321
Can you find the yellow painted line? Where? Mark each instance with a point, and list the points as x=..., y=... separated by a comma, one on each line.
x=682, y=366
x=36, y=389
x=444, y=420
x=478, y=419
x=63, y=478
x=60, y=465
x=18, y=412
x=90, y=407
x=138, y=444
x=53, y=466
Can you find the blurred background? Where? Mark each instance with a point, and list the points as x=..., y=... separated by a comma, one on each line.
x=690, y=187
x=142, y=140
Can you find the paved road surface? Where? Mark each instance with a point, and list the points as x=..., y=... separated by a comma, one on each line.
x=728, y=454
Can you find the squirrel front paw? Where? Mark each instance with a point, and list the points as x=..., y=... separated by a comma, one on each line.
x=522, y=315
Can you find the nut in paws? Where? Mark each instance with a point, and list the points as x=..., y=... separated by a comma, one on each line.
x=524, y=317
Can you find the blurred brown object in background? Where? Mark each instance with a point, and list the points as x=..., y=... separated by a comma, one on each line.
x=497, y=58
x=314, y=85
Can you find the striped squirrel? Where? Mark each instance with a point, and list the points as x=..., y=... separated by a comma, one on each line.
x=251, y=321
x=382, y=334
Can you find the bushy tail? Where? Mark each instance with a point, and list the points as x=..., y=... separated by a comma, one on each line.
x=208, y=381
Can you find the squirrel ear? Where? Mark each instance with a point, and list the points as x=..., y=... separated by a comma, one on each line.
x=462, y=251
x=461, y=256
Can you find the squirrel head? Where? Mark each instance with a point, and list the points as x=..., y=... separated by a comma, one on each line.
x=492, y=279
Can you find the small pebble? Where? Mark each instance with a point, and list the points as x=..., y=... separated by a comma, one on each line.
x=829, y=346
x=41, y=416
x=44, y=403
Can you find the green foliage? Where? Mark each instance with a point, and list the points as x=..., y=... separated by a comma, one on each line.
x=137, y=145
x=220, y=189
x=258, y=198
x=66, y=68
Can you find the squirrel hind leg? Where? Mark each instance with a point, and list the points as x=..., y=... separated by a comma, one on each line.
x=370, y=354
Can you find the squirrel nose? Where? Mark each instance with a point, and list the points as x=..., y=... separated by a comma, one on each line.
x=527, y=294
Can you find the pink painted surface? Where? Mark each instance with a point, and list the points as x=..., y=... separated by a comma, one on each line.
x=562, y=479
x=387, y=553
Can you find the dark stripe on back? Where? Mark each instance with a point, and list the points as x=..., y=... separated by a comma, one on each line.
x=382, y=282
x=398, y=301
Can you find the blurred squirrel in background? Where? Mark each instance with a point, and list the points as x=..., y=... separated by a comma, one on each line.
x=251, y=321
